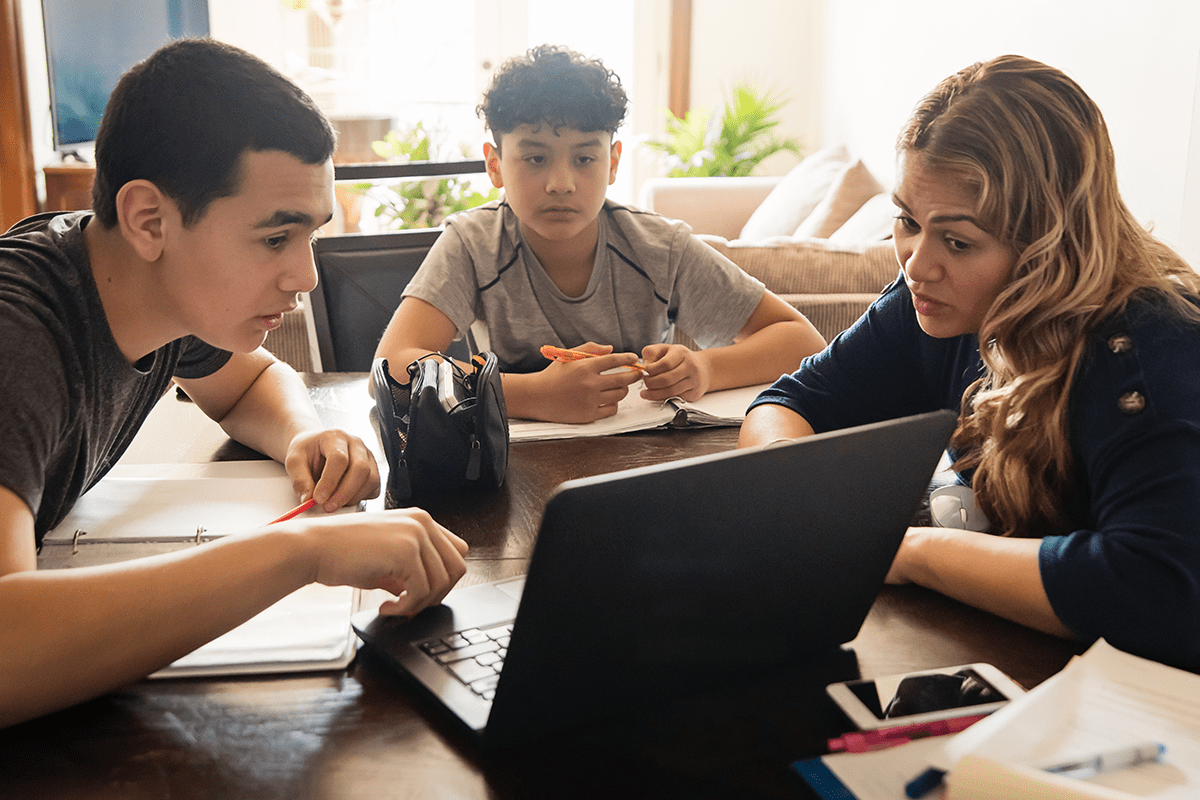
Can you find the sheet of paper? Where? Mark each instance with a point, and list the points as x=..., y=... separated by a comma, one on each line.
x=169, y=502
x=725, y=407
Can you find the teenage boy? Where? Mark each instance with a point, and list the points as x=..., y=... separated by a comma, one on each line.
x=553, y=262
x=213, y=172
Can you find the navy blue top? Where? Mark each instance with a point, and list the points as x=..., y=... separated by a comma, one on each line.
x=1130, y=570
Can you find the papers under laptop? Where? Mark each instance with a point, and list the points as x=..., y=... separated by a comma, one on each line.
x=660, y=581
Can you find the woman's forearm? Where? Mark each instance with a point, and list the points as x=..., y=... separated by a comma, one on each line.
x=995, y=573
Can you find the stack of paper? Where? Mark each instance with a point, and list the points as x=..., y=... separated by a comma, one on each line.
x=1102, y=700
x=307, y=630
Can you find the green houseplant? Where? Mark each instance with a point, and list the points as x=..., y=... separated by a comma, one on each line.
x=427, y=203
x=730, y=145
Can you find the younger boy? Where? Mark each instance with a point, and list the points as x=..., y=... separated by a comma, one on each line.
x=213, y=172
x=553, y=262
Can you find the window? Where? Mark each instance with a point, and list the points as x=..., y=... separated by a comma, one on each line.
x=375, y=65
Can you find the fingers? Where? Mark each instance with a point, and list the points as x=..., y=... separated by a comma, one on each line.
x=685, y=389
x=430, y=570
x=592, y=347
x=662, y=358
x=654, y=357
x=302, y=478
x=673, y=371
x=616, y=365
x=348, y=476
x=336, y=468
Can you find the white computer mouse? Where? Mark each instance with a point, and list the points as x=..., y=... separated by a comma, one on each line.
x=954, y=506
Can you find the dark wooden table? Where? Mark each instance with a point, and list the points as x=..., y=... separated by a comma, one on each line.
x=364, y=733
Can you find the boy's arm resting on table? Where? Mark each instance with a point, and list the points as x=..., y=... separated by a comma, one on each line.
x=574, y=392
x=67, y=635
x=417, y=328
x=773, y=341
x=262, y=403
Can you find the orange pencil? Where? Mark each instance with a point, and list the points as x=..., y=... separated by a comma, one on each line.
x=565, y=354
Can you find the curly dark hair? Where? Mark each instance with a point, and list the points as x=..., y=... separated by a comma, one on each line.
x=557, y=86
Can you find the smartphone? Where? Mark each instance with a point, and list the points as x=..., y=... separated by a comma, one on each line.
x=924, y=696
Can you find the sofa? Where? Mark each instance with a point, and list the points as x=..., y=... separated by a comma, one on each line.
x=819, y=236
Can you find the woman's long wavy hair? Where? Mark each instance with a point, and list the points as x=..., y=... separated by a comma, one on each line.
x=1035, y=148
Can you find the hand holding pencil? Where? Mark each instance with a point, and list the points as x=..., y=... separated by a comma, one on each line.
x=580, y=385
x=567, y=355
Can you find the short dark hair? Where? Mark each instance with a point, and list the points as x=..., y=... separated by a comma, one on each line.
x=182, y=119
x=556, y=86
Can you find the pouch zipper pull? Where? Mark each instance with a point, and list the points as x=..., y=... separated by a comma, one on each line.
x=474, y=460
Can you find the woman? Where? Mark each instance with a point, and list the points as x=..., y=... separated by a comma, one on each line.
x=1080, y=413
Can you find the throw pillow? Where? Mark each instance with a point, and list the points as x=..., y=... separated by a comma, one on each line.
x=796, y=195
x=852, y=187
x=871, y=222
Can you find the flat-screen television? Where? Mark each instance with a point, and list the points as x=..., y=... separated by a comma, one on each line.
x=91, y=43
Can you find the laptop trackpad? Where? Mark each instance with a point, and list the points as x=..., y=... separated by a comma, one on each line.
x=477, y=606
x=512, y=587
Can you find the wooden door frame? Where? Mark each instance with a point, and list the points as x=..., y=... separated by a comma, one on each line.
x=679, y=78
x=18, y=177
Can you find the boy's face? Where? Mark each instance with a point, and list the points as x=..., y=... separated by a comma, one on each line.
x=555, y=181
x=230, y=277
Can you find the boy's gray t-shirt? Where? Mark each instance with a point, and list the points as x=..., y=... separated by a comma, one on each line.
x=650, y=274
x=70, y=403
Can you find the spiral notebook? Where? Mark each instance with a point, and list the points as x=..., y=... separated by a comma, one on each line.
x=722, y=408
x=140, y=509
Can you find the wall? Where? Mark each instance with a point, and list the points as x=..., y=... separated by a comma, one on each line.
x=775, y=42
x=1140, y=62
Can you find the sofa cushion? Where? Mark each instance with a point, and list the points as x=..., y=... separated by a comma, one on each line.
x=872, y=222
x=795, y=197
x=831, y=283
x=853, y=186
x=812, y=266
x=831, y=314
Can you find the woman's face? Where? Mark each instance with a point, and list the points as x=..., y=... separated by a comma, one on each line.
x=953, y=267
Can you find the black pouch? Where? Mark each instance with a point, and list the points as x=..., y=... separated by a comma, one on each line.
x=443, y=431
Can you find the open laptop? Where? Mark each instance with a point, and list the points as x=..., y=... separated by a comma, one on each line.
x=655, y=582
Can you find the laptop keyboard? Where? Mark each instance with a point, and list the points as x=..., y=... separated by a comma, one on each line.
x=474, y=656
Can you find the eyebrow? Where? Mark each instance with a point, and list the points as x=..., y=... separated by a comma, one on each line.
x=942, y=219
x=283, y=217
x=596, y=143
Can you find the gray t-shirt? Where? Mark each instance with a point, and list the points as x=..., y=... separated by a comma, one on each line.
x=650, y=275
x=70, y=403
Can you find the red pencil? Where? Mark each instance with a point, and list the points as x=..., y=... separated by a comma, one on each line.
x=297, y=511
